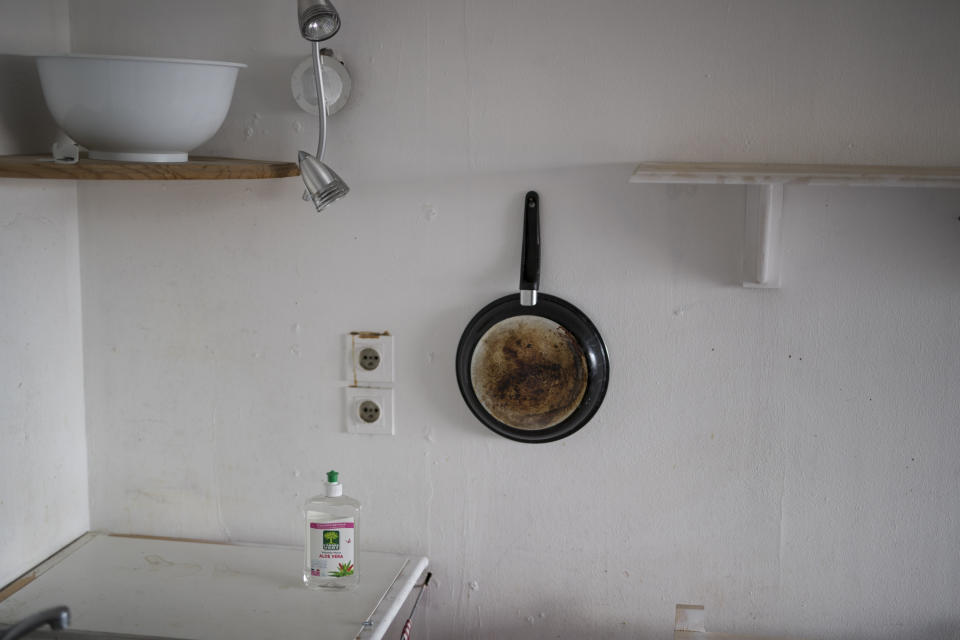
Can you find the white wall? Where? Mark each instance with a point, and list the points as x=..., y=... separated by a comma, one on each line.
x=443, y=88
x=43, y=462
x=788, y=458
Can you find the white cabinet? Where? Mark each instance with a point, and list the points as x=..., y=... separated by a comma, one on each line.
x=188, y=589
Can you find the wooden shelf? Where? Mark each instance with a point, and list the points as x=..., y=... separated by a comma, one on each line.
x=197, y=168
x=796, y=174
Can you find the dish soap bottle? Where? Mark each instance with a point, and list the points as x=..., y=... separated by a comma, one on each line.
x=330, y=548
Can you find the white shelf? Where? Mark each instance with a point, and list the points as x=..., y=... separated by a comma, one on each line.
x=796, y=174
x=155, y=587
x=764, y=201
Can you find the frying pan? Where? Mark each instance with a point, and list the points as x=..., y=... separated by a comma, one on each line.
x=531, y=367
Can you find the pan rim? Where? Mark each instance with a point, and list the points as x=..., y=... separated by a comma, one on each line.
x=583, y=329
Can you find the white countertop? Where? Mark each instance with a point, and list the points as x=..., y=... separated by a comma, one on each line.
x=188, y=589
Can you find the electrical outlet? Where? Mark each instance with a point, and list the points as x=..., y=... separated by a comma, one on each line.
x=369, y=357
x=368, y=410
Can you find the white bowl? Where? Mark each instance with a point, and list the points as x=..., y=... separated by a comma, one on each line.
x=137, y=109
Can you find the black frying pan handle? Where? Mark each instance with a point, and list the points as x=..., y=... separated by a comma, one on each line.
x=530, y=258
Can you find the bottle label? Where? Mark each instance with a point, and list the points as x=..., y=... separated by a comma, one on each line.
x=331, y=548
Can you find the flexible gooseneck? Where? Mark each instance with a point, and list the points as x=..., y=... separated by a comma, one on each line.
x=321, y=100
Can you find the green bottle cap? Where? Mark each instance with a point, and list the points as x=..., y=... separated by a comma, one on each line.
x=332, y=477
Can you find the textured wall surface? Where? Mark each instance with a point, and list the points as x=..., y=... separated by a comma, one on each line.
x=787, y=458
x=43, y=461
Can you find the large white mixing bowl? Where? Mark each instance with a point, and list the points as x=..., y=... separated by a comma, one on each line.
x=137, y=109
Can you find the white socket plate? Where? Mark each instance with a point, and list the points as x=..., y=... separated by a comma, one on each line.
x=354, y=344
x=353, y=397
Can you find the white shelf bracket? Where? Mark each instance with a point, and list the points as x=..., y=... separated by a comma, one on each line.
x=761, y=240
